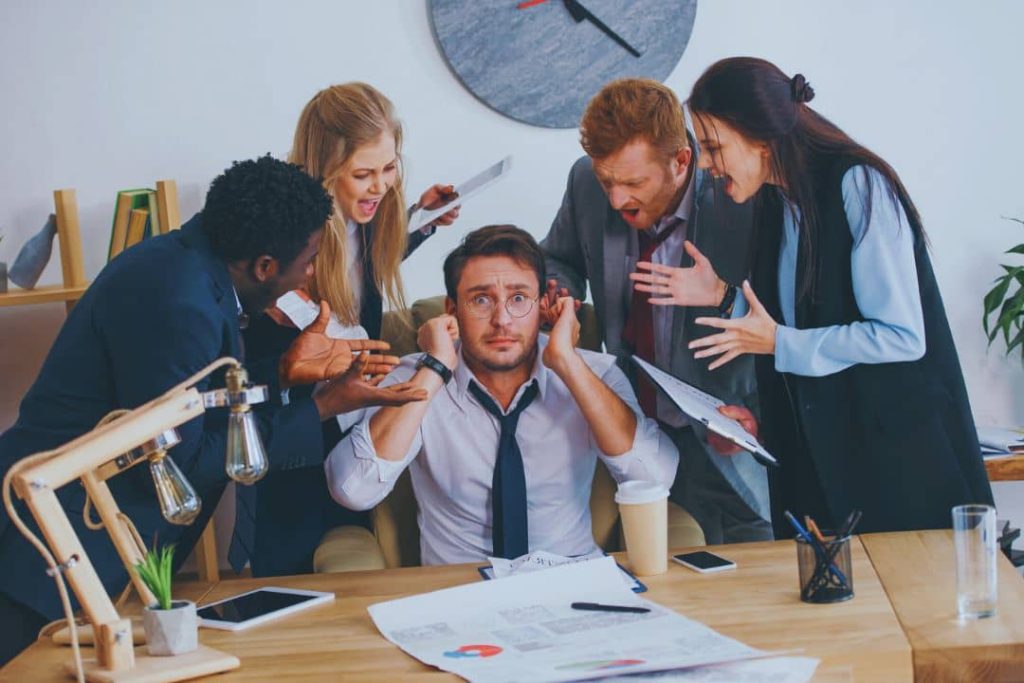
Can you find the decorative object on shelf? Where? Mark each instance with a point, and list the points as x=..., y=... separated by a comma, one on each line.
x=541, y=61
x=34, y=255
x=120, y=441
x=171, y=626
x=1007, y=304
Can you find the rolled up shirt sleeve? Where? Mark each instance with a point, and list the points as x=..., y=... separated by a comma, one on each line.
x=356, y=477
x=653, y=456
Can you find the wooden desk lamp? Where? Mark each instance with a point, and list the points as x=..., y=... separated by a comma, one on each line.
x=121, y=441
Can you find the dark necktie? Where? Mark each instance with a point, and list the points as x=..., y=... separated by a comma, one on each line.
x=244, y=535
x=638, y=332
x=508, y=486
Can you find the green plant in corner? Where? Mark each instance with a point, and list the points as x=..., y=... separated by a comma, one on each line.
x=1006, y=304
x=155, y=571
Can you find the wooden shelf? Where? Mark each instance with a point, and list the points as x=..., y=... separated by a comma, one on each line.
x=41, y=295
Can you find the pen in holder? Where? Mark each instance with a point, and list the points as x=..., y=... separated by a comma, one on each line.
x=826, y=574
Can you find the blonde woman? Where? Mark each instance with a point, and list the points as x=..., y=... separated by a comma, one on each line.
x=348, y=137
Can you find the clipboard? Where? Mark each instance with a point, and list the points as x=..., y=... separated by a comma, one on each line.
x=703, y=407
x=635, y=584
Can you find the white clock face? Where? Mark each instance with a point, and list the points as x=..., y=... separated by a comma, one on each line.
x=540, y=61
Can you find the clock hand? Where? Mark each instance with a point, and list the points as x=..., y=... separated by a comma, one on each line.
x=579, y=13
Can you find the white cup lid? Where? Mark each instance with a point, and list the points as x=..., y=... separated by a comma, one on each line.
x=638, y=492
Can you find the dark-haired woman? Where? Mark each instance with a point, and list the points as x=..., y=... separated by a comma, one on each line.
x=862, y=398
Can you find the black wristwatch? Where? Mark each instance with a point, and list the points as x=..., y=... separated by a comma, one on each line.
x=428, y=361
x=727, y=300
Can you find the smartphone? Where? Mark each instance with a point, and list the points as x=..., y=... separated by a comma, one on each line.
x=704, y=562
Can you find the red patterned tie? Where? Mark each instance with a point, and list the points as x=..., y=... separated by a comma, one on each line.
x=638, y=332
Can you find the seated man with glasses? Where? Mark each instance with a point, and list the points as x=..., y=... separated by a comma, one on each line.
x=502, y=455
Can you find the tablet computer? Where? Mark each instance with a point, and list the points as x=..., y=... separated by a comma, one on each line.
x=258, y=606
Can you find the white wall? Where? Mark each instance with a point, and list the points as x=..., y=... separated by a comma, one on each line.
x=102, y=96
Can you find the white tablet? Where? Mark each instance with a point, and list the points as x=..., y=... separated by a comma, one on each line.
x=258, y=606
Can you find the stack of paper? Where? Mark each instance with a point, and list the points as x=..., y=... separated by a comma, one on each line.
x=996, y=441
x=541, y=559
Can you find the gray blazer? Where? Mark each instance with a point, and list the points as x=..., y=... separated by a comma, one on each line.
x=589, y=242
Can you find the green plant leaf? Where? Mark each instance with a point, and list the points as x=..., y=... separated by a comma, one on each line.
x=1012, y=310
x=155, y=570
x=995, y=297
x=1017, y=340
x=1019, y=249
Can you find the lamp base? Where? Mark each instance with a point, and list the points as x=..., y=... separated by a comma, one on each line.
x=202, y=661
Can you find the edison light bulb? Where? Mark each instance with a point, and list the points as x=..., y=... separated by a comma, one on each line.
x=178, y=500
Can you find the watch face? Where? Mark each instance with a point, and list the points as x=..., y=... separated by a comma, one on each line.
x=540, y=61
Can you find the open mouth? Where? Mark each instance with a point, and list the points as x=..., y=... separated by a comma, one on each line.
x=630, y=214
x=368, y=206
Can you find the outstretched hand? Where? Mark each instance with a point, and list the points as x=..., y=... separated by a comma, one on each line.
x=314, y=357
x=753, y=333
x=746, y=419
x=697, y=285
x=351, y=391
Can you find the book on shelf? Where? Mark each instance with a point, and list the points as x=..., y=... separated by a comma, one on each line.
x=128, y=201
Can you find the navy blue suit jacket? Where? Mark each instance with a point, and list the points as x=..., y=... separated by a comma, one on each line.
x=155, y=315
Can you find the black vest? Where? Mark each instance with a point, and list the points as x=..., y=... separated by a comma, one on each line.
x=895, y=440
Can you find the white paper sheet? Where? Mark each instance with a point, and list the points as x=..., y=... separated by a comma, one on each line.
x=522, y=628
x=703, y=407
x=774, y=670
x=465, y=190
x=303, y=312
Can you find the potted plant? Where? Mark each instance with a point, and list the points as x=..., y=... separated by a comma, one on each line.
x=1007, y=304
x=171, y=626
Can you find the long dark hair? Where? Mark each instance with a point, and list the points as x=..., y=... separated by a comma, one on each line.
x=765, y=105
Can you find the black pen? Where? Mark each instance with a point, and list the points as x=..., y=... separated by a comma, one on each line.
x=597, y=607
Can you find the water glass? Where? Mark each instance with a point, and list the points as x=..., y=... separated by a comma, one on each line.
x=974, y=536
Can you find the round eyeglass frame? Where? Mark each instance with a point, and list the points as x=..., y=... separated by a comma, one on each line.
x=490, y=309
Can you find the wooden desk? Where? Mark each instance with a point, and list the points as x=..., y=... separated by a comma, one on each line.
x=918, y=571
x=758, y=604
x=1010, y=468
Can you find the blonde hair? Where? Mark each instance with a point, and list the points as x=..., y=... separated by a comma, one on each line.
x=333, y=125
x=632, y=108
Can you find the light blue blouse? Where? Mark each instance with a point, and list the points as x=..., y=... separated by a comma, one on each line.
x=884, y=286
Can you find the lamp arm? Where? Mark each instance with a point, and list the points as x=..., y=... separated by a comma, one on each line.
x=36, y=478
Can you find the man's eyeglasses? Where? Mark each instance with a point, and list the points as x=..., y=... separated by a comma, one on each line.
x=518, y=305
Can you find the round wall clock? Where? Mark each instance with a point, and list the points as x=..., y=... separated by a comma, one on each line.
x=540, y=61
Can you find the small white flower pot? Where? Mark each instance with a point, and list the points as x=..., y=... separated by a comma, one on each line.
x=171, y=631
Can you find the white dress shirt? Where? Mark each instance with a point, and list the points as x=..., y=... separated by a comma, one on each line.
x=452, y=456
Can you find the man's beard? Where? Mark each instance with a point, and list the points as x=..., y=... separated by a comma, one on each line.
x=526, y=356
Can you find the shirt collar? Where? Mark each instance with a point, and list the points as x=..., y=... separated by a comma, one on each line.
x=243, y=317
x=540, y=372
x=682, y=211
